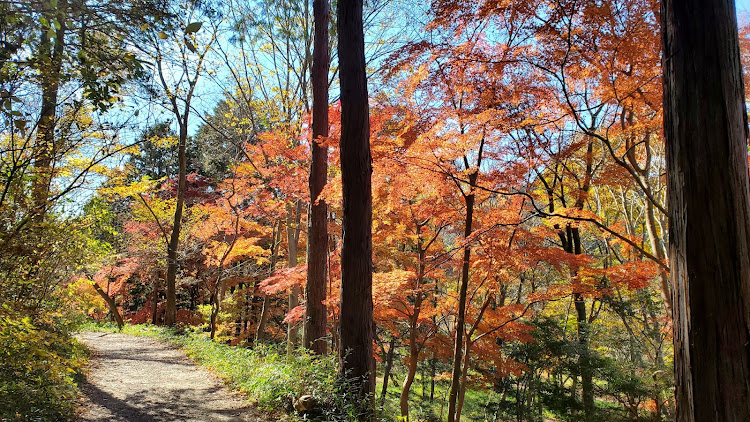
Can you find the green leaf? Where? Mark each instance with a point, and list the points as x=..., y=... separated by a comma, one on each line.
x=163, y=35
x=193, y=27
x=144, y=27
x=44, y=21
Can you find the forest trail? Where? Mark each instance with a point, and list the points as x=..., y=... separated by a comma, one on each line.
x=135, y=378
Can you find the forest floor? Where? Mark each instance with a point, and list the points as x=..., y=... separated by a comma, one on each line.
x=133, y=378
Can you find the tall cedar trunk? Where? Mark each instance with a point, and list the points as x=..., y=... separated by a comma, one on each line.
x=51, y=58
x=413, y=359
x=317, y=239
x=356, y=325
x=293, y=220
x=707, y=184
x=170, y=318
x=461, y=318
x=387, y=371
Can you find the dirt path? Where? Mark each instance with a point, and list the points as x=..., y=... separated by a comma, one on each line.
x=136, y=378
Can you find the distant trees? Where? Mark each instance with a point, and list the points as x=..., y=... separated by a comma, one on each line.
x=177, y=65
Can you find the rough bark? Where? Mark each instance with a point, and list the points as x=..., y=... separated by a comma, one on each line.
x=709, y=209
x=317, y=239
x=356, y=326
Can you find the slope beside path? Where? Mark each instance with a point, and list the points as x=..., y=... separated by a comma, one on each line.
x=134, y=378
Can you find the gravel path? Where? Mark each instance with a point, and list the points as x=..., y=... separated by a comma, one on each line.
x=136, y=378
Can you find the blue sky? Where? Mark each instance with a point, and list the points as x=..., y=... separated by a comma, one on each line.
x=743, y=5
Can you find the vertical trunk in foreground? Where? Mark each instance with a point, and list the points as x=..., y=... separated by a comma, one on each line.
x=358, y=365
x=170, y=317
x=317, y=240
x=461, y=317
x=709, y=209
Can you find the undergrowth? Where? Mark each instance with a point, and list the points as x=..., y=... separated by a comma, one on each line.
x=39, y=368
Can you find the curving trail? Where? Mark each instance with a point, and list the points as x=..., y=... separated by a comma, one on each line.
x=135, y=378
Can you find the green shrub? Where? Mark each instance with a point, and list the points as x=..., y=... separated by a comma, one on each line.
x=38, y=370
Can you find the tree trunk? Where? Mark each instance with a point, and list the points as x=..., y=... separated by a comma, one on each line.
x=317, y=239
x=433, y=370
x=260, y=331
x=356, y=323
x=464, y=374
x=709, y=210
x=215, y=302
x=387, y=371
x=50, y=58
x=111, y=304
x=413, y=347
x=584, y=358
x=170, y=318
x=293, y=221
x=656, y=247
x=461, y=318
x=156, y=302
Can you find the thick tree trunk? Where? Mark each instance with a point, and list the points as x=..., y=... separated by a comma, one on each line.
x=317, y=239
x=356, y=325
x=170, y=318
x=709, y=209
